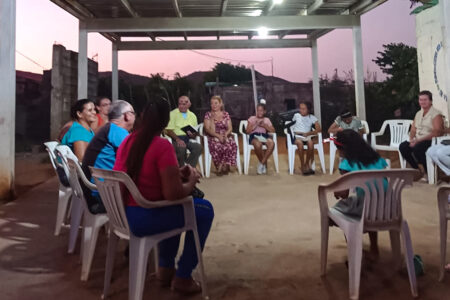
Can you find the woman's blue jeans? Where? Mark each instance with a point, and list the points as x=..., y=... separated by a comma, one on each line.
x=145, y=221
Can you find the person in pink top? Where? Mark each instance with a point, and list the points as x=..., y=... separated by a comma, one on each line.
x=152, y=164
x=259, y=128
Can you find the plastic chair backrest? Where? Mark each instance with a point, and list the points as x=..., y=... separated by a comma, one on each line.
x=50, y=147
x=63, y=151
x=382, y=207
x=243, y=126
x=108, y=184
x=439, y=139
x=399, y=130
x=366, y=126
x=73, y=178
x=200, y=128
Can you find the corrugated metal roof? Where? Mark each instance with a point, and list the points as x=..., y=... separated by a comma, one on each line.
x=106, y=9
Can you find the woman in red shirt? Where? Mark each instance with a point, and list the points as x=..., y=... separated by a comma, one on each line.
x=152, y=164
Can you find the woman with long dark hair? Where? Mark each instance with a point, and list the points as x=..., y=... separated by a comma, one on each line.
x=357, y=155
x=152, y=164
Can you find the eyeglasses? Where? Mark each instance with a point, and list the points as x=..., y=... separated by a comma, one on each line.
x=131, y=112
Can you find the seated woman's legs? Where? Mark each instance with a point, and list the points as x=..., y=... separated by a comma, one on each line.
x=257, y=145
x=419, y=150
x=270, y=144
x=406, y=152
x=204, y=214
x=301, y=155
x=310, y=154
x=145, y=222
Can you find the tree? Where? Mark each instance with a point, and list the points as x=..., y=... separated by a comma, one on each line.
x=229, y=73
x=401, y=87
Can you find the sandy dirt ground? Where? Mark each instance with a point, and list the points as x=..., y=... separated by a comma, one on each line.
x=264, y=244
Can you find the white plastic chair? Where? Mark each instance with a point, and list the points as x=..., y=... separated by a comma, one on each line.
x=382, y=211
x=431, y=166
x=109, y=185
x=76, y=213
x=292, y=148
x=399, y=132
x=208, y=157
x=333, y=148
x=65, y=192
x=444, y=216
x=247, y=147
x=91, y=223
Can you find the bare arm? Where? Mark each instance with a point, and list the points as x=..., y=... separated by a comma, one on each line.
x=172, y=186
x=412, y=132
x=317, y=129
x=269, y=128
x=250, y=127
x=210, y=128
x=438, y=126
x=362, y=131
x=79, y=148
x=334, y=128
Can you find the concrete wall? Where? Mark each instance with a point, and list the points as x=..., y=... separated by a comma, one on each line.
x=64, y=79
x=433, y=69
x=7, y=96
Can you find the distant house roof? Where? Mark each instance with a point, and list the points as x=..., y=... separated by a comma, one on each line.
x=28, y=75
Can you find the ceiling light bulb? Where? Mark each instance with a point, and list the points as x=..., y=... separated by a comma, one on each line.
x=263, y=32
x=255, y=13
x=277, y=1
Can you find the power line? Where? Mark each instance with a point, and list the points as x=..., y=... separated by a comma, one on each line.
x=30, y=59
x=224, y=58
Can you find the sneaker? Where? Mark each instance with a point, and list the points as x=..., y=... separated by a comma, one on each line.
x=260, y=169
x=264, y=169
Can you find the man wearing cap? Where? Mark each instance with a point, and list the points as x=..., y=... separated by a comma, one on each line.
x=346, y=121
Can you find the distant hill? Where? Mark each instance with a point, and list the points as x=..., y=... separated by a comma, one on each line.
x=196, y=77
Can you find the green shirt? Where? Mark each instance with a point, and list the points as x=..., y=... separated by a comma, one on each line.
x=177, y=121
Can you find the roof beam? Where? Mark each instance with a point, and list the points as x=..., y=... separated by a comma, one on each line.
x=314, y=6
x=80, y=12
x=134, y=14
x=223, y=9
x=221, y=23
x=221, y=44
x=270, y=6
x=179, y=14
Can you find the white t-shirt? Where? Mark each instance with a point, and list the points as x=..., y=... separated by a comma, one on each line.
x=303, y=123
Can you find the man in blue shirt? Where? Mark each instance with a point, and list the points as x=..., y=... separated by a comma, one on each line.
x=101, y=152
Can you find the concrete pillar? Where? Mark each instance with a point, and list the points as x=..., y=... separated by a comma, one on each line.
x=82, y=62
x=315, y=81
x=255, y=91
x=445, y=13
x=115, y=73
x=358, y=66
x=7, y=96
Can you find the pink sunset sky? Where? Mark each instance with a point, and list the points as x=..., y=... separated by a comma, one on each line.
x=40, y=24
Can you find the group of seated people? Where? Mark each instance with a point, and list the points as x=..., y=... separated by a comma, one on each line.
x=152, y=163
x=164, y=171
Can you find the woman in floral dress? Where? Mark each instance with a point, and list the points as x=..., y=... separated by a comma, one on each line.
x=218, y=128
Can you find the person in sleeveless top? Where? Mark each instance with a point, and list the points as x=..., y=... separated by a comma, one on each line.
x=428, y=123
